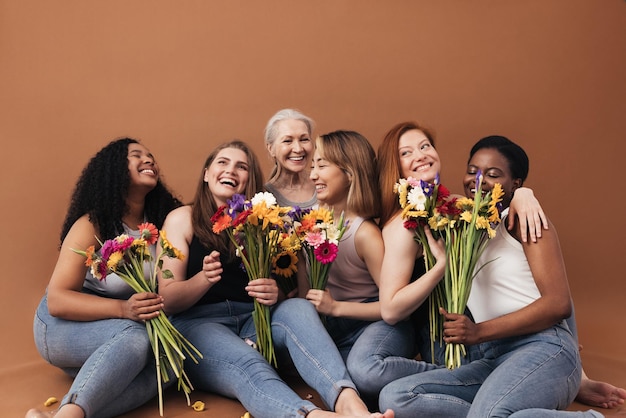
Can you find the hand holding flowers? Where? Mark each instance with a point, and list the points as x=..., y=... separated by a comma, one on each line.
x=466, y=225
x=126, y=256
x=256, y=228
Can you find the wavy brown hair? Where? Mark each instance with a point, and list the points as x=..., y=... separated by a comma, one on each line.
x=204, y=205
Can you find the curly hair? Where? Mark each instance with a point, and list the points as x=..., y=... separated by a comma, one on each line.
x=101, y=192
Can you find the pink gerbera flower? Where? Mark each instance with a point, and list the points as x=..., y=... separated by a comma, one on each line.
x=314, y=239
x=326, y=252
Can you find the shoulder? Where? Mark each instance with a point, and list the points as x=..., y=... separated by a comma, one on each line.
x=82, y=234
x=369, y=235
x=395, y=225
x=178, y=219
x=368, y=230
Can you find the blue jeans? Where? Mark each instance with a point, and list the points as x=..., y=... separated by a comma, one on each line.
x=540, y=370
x=384, y=353
x=111, y=361
x=232, y=368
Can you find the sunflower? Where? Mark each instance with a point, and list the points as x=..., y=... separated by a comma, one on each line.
x=285, y=263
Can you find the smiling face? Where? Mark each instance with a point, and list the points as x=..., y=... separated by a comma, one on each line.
x=332, y=184
x=418, y=157
x=292, y=148
x=495, y=168
x=142, y=167
x=227, y=174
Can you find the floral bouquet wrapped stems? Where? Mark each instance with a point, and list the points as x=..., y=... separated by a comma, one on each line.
x=466, y=231
x=255, y=227
x=126, y=256
x=422, y=202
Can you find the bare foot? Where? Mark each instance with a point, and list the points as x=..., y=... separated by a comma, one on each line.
x=350, y=405
x=600, y=394
x=36, y=413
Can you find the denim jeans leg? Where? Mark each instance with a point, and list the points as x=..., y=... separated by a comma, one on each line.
x=232, y=368
x=296, y=327
x=435, y=393
x=541, y=370
x=110, y=360
x=384, y=353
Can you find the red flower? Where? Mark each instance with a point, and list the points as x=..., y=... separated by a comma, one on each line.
x=410, y=224
x=449, y=208
x=442, y=193
x=241, y=218
x=218, y=213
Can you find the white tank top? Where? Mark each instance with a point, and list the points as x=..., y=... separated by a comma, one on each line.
x=504, y=285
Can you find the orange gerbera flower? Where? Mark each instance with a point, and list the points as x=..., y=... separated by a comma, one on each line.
x=149, y=232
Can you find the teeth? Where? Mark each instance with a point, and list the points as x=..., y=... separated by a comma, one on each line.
x=319, y=187
x=229, y=182
x=296, y=158
x=147, y=170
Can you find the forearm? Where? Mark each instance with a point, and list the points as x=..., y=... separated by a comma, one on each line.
x=357, y=310
x=180, y=295
x=536, y=317
x=74, y=305
x=400, y=304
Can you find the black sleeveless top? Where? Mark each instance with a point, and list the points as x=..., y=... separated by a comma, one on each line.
x=234, y=278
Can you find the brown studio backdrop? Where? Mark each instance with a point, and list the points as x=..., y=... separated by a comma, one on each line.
x=185, y=76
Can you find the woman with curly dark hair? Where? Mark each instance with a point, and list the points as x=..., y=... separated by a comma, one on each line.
x=92, y=329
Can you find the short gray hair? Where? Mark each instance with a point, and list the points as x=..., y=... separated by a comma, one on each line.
x=285, y=114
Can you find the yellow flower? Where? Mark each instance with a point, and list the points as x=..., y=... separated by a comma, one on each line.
x=496, y=197
x=140, y=248
x=466, y=216
x=465, y=203
x=114, y=260
x=285, y=263
x=168, y=248
x=482, y=223
x=321, y=215
x=269, y=216
x=290, y=242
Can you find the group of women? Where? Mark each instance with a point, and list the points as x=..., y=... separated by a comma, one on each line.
x=524, y=358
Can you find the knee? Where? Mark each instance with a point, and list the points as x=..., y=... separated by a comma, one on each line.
x=294, y=309
x=389, y=397
x=365, y=374
x=135, y=338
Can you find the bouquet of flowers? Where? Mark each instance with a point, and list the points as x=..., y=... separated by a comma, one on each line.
x=126, y=256
x=319, y=235
x=466, y=231
x=255, y=227
x=420, y=202
x=466, y=225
